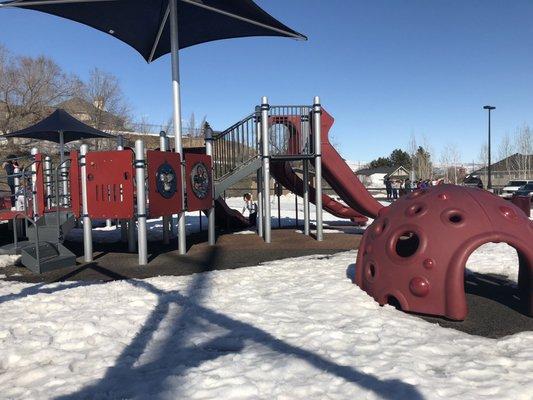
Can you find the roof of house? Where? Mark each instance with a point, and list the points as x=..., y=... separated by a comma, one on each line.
x=505, y=163
x=379, y=170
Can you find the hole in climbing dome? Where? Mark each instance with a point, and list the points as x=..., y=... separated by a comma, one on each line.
x=407, y=244
x=393, y=301
x=455, y=218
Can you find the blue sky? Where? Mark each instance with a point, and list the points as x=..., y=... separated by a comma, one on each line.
x=385, y=69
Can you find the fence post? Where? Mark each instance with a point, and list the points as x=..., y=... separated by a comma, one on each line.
x=211, y=235
x=317, y=111
x=266, y=168
x=87, y=226
x=141, y=202
x=166, y=219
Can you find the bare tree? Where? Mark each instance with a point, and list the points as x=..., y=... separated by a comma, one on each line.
x=523, y=140
x=29, y=87
x=194, y=130
x=107, y=106
x=505, y=150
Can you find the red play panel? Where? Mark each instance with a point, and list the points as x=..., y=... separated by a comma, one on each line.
x=110, y=177
x=164, y=183
x=199, y=182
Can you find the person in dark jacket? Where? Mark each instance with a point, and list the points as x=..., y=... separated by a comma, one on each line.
x=407, y=186
x=388, y=188
x=9, y=167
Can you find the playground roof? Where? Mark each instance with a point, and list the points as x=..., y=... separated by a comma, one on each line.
x=59, y=123
x=144, y=25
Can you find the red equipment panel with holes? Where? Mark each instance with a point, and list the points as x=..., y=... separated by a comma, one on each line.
x=199, y=182
x=110, y=177
x=75, y=184
x=164, y=183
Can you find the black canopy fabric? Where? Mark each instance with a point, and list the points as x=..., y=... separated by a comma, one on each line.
x=144, y=24
x=57, y=123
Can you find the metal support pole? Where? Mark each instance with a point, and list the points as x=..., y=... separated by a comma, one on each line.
x=306, y=196
x=266, y=168
x=489, y=167
x=166, y=219
x=63, y=169
x=141, y=202
x=174, y=52
x=123, y=222
x=317, y=111
x=47, y=170
x=211, y=234
x=260, y=205
x=87, y=227
x=36, y=210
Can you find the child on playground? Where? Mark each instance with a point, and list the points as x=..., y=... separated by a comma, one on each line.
x=251, y=207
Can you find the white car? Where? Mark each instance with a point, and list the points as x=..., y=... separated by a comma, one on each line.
x=512, y=187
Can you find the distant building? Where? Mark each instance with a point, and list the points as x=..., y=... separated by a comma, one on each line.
x=516, y=166
x=375, y=177
x=93, y=114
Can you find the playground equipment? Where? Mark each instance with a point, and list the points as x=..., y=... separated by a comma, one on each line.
x=130, y=186
x=414, y=253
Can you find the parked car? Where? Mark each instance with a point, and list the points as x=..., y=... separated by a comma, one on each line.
x=512, y=186
x=525, y=190
x=473, y=181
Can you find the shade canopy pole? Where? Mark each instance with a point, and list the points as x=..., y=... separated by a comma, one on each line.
x=176, y=98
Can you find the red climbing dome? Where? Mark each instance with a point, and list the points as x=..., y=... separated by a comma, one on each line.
x=415, y=252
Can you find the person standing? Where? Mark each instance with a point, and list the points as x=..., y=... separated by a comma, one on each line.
x=407, y=186
x=251, y=207
x=388, y=188
x=395, y=187
x=10, y=171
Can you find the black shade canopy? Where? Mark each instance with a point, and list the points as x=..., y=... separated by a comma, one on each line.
x=144, y=24
x=59, y=123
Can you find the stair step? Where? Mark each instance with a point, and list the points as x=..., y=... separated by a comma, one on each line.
x=51, y=256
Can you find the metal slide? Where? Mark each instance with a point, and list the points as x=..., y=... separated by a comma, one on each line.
x=285, y=175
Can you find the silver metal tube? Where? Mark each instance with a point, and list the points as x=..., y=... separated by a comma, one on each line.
x=123, y=222
x=87, y=227
x=174, y=47
x=64, y=173
x=260, y=211
x=47, y=169
x=166, y=219
x=211, y=234
x=306, y=196
x=141, y=202
x=266, y=168
x=36, y=210
x=317, y=111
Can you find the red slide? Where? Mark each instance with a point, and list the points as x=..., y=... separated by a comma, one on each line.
x=228, y=218
x=285, y=175
x=341, y=178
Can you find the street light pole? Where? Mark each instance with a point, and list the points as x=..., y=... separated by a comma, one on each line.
x=489, y=177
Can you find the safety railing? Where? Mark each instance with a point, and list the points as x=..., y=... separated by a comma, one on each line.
x=289, y=131
x=235, y=146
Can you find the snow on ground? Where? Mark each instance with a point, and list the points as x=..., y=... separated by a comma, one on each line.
x=7, y=260
x=290, y=329
x=495, y=258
